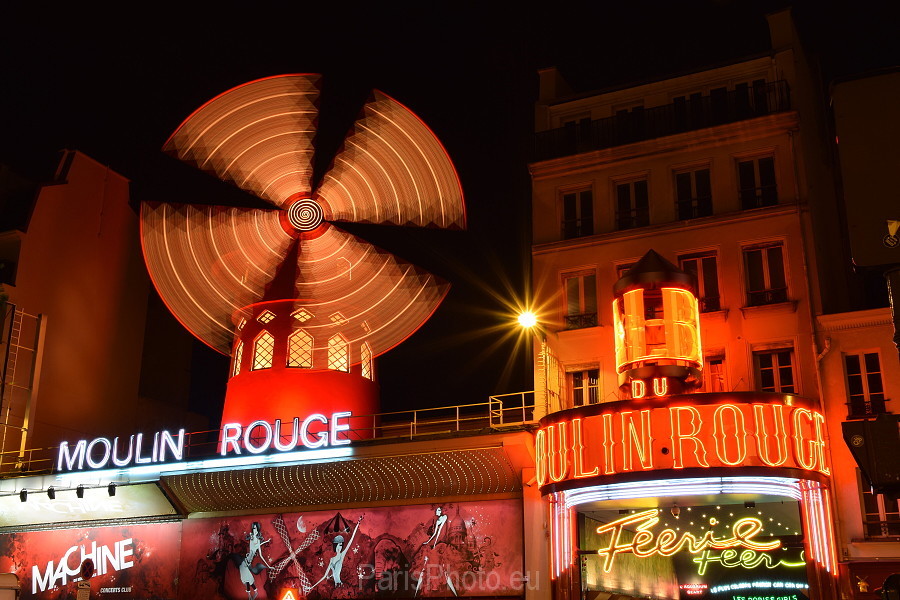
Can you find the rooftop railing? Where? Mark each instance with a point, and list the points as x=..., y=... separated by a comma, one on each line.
x=505, y=412
x=637, y=125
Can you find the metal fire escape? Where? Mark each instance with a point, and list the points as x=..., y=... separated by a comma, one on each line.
x=18, y=356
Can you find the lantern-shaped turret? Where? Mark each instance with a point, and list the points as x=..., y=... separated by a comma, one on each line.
x=657, y=326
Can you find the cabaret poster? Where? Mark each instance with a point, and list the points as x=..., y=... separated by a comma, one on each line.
x=130, y=562
x=441, y=550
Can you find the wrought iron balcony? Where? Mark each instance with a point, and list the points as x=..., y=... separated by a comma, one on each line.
x=660, y=121
x=866, y=408
x=581, y=321
x=763, y=297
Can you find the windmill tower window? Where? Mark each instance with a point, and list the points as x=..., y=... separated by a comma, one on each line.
x=263, y=350
x=265, y=316
x=300, y=346
x=302, y=315
x=366, y=354
x=238, y=355
x=338, y=354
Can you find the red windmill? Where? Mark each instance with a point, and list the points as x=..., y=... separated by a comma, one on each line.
x=301, y=305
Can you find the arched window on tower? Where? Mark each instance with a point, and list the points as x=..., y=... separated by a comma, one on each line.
x=366, y=355
x=300, y=350
x=238, y=355
x=263, y=349
x=338, y=354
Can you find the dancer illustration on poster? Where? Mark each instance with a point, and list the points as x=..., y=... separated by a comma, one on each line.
x=246, y=567
x=441, y=568
x=337, y=561
x=437, y=527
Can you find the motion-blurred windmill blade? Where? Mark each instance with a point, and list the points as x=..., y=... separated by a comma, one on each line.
x=300, y=304
x=258, y=136
x=208, y=261
x=351, y=287
x=393, y=170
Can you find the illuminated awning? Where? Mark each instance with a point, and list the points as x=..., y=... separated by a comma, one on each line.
x=429, y=475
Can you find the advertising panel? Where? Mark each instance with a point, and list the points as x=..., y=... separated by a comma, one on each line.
x=141, y=500
x=715, y=552
x=130, y=561
x=439, y=550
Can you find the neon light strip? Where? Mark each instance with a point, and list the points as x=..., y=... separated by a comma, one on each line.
x=153, y=472
x=830, y=544
x=774, y=486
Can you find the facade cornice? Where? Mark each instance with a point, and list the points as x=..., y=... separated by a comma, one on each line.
x=741, y=131
x=757, y=214
x=874, y=317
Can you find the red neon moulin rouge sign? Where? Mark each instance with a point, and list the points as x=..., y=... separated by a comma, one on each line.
x=736, y=430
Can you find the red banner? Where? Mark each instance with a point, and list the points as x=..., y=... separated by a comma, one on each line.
x=130, y=561
x=438, y=550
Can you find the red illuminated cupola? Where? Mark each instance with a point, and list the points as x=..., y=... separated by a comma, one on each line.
x=657, y=327
x=301, y=305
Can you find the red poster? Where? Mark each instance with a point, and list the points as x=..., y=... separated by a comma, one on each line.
x=130, y=561
x=438, y=550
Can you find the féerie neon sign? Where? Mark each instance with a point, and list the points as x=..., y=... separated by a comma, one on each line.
x=645, y=543
x=739, y=431
x=315, y=431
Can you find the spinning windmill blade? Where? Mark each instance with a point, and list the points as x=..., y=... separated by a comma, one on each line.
x=291, y=272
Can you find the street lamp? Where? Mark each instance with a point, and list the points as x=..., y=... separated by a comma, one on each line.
x=528, y=320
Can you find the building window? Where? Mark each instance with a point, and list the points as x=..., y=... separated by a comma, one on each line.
x=632, y=205
x=775, y=371
x=366, y=356
x=578, y=214
x=704, y=269
x=714, y=379
x=581, y=300
x=238, y=355
x=263, y=350
x=881, y=517
x=338, y=354
x=865, y=390
x=765, y=274
x=756, y=181
x=300, y=350
x=585, y=387
x=622, y=269
x=693, y=194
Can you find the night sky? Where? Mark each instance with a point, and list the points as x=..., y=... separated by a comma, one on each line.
x=114, y=85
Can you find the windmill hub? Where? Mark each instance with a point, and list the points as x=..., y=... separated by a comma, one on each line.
x=305, y=214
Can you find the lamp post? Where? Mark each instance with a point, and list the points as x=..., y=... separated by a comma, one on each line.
x=529, y=321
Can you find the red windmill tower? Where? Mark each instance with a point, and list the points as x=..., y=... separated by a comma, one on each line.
x=302, y=306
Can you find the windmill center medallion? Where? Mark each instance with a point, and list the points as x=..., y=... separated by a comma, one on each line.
x=305, y=214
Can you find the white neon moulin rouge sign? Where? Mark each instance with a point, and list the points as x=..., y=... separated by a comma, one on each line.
x=607, y=441
x=315, y=431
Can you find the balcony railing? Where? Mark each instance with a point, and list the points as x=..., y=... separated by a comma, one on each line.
x=710, y=304
x=883, y=529
x=694, y=208
x=763, y=297
x=573, y=228
x=866, y=408
x=758, y=197
x=581, y=321
x=678, y=117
